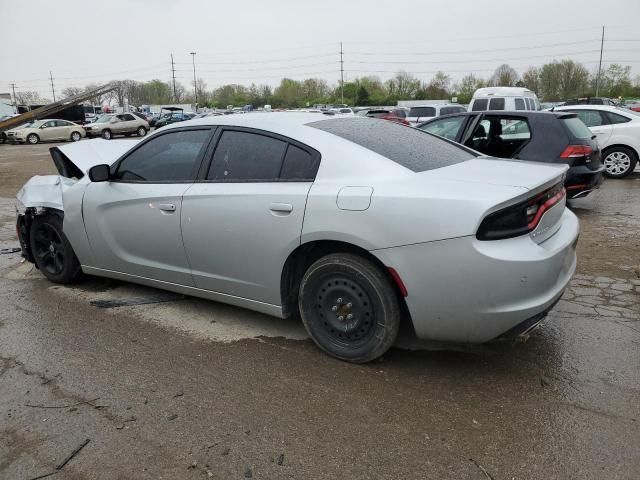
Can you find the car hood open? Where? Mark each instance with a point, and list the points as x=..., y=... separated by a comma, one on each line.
x=75, y=159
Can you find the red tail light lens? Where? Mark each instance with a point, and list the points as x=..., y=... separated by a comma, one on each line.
x=521, y=218
x=575, y=151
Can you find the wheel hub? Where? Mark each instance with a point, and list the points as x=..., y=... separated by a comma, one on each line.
x=345, y=309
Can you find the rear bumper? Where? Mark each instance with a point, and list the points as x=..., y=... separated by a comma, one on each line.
x=581, y=180
x=467, y=290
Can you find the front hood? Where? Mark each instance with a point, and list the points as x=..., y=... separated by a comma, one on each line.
x=75, y=159
x=496, y=171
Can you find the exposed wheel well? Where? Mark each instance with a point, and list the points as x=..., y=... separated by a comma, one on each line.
x=610, y=147
x=23, y=227
x=302, y=257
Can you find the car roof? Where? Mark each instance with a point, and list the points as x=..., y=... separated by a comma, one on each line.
x=503, y=92
x=609, y=108
x=515, y=113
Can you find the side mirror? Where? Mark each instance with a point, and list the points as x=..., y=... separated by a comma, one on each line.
x=99, y=173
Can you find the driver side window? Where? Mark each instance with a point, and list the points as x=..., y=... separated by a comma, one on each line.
x=166, y=158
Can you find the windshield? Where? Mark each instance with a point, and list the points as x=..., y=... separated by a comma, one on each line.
x=577, y=128
x=422, y=112
x=103, y=119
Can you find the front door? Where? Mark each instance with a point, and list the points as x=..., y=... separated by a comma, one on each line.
x=133, y=220
x=240, y=223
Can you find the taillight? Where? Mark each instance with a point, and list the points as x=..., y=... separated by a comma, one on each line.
x=575, y=151
x=521, y=218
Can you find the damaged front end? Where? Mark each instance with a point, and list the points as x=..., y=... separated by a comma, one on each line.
x=45, y=194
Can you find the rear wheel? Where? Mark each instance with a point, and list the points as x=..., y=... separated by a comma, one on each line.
x=33, y=138
x=52, y=252
x=619, y=162
x=107, y=135
x=349, y=307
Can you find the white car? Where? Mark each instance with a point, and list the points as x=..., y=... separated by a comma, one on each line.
x=347, y=221
x=422, y=113
x=45, y=131
x=617, y=131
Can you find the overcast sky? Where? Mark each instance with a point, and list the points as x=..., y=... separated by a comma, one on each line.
x=241, y=41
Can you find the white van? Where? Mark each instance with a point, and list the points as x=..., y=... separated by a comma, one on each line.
x=504, y=98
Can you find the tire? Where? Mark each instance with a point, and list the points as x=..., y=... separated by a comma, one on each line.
x=619, y=162
x=52, y=251
x=107, y=135
x=75, y=136
x=341, y=285
x=33, y=139
x=141, y=131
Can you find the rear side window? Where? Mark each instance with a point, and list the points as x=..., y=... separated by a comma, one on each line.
x=244, y=156
x=520, y=104
x=479, y=104
x=447, y=127
x=298, y=165
x=615, y=118
x=591, y=118
x=422, y=112
x=496, y=104
x=410, y=147
x=577, y=127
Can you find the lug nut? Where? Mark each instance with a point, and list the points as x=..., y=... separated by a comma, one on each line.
x=334, y=308
x=349, y=317
x=341, y=318
x=340, y=300
x=349, y=305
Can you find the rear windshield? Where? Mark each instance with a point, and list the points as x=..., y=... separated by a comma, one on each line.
x=410, y=147
x=422, y=112
x=577, y=128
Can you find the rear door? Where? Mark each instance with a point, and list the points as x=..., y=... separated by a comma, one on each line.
x=244, y=216
x=597, y=122
x=133, y=221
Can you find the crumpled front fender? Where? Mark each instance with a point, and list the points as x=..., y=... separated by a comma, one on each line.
x=44, y=191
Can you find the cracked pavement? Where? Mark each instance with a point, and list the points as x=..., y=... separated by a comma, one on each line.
x=193, y=389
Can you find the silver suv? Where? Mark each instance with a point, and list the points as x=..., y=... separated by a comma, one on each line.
x=117, y=124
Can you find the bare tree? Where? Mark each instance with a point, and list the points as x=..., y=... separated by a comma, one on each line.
x=531, y=79
x=504, y=76
x=30, y=97
x=71, y=92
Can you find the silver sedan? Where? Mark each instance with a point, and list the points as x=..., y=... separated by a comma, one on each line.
x=351, y=223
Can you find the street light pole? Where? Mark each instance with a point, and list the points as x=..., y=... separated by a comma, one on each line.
x=195, y=85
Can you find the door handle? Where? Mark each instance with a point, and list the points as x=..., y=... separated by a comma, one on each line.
x=281, y=207
x=167, y=207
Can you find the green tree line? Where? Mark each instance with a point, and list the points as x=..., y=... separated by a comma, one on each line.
x=554, y=81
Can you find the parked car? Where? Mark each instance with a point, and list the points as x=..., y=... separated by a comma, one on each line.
x=558, y=138
x=397, y=115
x=125, y=124
x=503, y=98
x=422, y=113
x=142, y=116
x=590, y=101
x=276, y=224
x=618, y=134
x=45, y=131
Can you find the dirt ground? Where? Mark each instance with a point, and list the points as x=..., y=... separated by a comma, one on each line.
x=188, y=388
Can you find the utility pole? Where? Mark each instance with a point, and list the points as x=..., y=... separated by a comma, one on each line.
x=600, y=64
x=53, y=90
x=15, y=100
x=173, y=74
x=341, y=75
x=195, y=85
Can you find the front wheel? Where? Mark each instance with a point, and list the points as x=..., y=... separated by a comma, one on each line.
x=75, y=136
x=619, y=162
x=33, y=138
x=349, y=307
x=52, y=251
x=142, y=131
x=107, y=135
